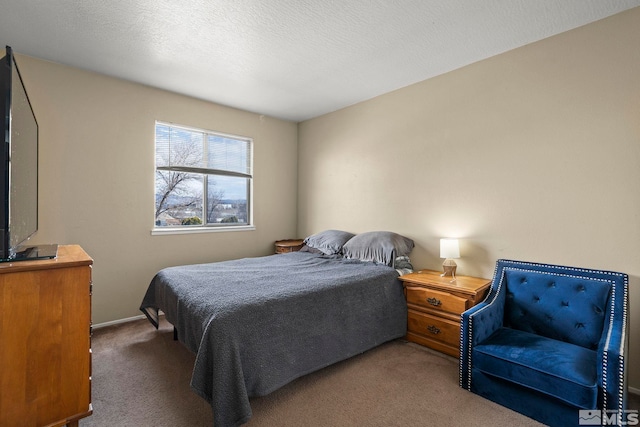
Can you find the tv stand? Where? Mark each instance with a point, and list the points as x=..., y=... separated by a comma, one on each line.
x=45, y=340
x=31, y=253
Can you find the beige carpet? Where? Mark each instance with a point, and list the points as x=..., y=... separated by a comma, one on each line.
x=141, y=378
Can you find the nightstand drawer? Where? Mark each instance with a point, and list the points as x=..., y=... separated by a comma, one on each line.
x=433, y=327
x=288, y=245
x=436, y=300
x=434, y=306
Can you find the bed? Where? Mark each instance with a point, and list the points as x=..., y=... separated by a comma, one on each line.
x=256, y=324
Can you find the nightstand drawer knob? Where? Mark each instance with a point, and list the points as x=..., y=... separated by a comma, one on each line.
x=433, y=329
x=434, y=301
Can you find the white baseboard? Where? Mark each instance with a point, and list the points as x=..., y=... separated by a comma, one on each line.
x=633, y=390
x=116, y=322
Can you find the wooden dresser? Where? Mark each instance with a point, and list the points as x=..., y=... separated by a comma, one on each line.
x=434, y=306
x=45, y=340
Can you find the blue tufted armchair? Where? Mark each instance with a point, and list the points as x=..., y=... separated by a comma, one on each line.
x=549, y=342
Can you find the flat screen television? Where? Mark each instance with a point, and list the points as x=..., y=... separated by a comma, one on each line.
x=18, y=168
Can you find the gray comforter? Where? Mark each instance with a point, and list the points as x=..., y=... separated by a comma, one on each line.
x=256, y=324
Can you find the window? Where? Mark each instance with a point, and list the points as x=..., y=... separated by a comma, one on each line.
x=203, y=179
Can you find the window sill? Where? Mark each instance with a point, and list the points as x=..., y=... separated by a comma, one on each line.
x=197, y=230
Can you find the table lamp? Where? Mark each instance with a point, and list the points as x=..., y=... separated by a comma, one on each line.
x=449, y=249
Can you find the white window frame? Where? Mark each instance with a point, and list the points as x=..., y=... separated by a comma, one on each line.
x=205, y=228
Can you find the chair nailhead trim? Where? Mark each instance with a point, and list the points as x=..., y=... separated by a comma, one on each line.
x=621, y=359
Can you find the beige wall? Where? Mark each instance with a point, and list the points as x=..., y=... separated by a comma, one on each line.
x=97, y=178
x=533, y=154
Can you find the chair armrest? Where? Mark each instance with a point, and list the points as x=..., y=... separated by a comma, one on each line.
x=476, y=325
x=612, y=355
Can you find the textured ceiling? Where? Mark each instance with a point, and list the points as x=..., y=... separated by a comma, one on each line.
x=292, y=59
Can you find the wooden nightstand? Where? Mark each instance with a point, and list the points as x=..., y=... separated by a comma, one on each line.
x=435, y=304
x=288, y=245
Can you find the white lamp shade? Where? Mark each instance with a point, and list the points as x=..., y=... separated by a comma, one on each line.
x=449, y=248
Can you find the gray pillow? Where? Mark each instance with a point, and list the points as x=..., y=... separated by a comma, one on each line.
x=330, y=242
x=381, y=247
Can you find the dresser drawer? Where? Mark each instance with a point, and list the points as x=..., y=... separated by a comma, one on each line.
x=433, y=327
x=436, y=300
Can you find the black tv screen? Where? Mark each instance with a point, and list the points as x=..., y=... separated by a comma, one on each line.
x=18, y=162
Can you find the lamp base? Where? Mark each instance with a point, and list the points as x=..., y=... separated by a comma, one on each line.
x=449, y=268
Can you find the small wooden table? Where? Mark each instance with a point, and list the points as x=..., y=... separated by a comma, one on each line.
x=288, y=245
x=434, y=306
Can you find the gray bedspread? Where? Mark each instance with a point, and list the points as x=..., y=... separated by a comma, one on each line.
x=256, y=324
